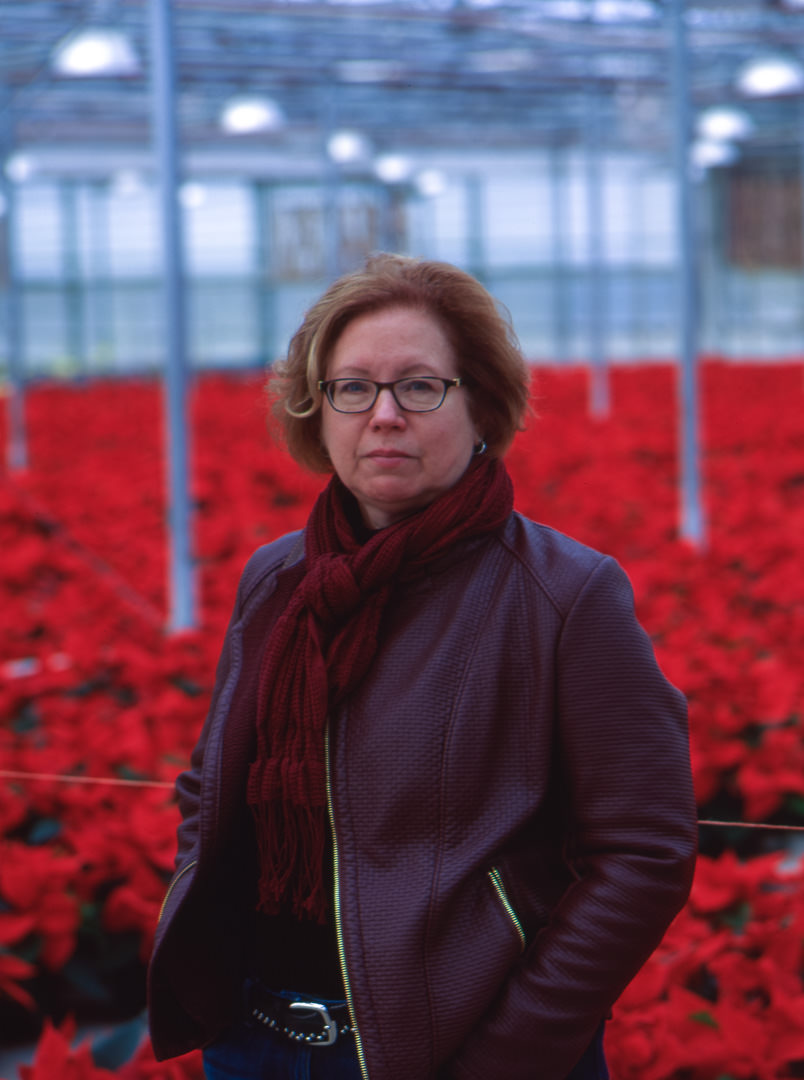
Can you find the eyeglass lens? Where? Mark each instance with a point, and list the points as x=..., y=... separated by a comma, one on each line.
x=416, y=395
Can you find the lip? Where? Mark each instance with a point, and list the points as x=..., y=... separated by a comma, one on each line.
x=389, y=455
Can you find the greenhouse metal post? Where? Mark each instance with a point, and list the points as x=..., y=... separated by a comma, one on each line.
x=558, y=216
x=17, y=442
x=691, y=514
x=599, y=398
x=181, y=571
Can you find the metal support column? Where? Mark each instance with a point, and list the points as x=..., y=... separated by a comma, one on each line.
x=476, y=227
x=598, y=376
x=691, y=517
x=558, y=214
x=331, y=184
x=181, y=571
x=17, y=440
x=100, y=288
x=801, y=167
x=265, y=283
x=72, y=283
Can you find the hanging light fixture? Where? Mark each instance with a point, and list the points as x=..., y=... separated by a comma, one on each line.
x=95, y=51
x=192, y=195
x=430, y=183
x=128, y=184
x=393, y=168
x=19, y=168
x=724, y=122
x=770, y=76
x=617, y=11
x=348, y=147
x=712, y=153
x=246, y=114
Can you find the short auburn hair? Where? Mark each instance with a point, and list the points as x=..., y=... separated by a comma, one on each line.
x=486, y=349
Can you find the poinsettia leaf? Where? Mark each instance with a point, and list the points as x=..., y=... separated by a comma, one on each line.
x=26, y=720
x=191, y=688
x=705, y=1017
x=126, y=772
x=795, y=804
x=43, y=830
x=737, y=918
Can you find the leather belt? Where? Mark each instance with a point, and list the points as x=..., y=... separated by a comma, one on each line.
x=305, y=1020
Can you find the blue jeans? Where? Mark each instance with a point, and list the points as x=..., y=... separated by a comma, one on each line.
x=592, y=1065
x=251, y=1051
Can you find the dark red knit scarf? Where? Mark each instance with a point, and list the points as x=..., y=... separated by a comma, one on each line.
x=319, y=650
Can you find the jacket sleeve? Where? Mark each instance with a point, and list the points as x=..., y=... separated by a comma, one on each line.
x=265, y=560
x=624, y=755
x=188, y=782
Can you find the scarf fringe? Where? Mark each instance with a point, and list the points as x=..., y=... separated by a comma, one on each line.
x=292, y=862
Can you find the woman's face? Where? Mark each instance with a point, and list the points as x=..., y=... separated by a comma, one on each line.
x=395, y=462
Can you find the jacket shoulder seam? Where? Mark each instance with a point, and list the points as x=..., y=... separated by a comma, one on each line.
x=562, y=610
x=257, y=570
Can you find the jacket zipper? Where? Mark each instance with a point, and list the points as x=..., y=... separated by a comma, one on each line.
x=336, y=895
x=499, y=887
x=173, y=884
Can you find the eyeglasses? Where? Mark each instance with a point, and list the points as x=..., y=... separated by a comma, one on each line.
x=419, y=393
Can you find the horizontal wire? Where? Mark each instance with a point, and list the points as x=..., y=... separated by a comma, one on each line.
x=752, y=825
x=114, y=781
x=62, y=778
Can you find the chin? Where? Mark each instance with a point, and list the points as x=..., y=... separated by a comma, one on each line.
x=391, y=506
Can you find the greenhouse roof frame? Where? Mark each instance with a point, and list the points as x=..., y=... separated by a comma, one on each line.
x=421, y=75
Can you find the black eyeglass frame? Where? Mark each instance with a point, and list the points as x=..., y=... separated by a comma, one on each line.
x=324, y=386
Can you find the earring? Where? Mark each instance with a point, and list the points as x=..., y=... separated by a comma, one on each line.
x=481, y=448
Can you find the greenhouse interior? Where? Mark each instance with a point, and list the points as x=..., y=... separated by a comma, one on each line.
x=180, y=180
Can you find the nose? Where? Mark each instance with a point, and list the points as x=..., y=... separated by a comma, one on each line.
x=386, y=412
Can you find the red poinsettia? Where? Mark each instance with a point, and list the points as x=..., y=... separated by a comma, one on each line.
x=92, y=687
x=56, y=1059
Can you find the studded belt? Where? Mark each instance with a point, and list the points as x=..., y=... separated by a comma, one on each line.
x=305, y=1020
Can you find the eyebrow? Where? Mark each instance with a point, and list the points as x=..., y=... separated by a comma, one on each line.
x=420, y=367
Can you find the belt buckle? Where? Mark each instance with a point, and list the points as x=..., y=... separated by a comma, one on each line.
x=330, y=1029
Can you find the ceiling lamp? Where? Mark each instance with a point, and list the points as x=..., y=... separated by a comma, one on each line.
x=430, y=183
x=568, y=10
x=245, y=114
x=348, y=147
x=724, y=122
x=192, y=195
x=20, y=168
x=711, y=153
x=393, y=168
x=95, y=51
x=615, y=11
x=127, y=184
x=768, y=76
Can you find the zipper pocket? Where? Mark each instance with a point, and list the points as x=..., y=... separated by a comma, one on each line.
x=495, y=877
x=173, y=884
x=336, y=900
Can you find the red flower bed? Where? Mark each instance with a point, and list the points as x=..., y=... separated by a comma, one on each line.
x=91, y=687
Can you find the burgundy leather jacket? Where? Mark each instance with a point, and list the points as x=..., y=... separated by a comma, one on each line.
x=511, y=804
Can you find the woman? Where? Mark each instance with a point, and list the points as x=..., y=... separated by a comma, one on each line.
x=441, y=811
